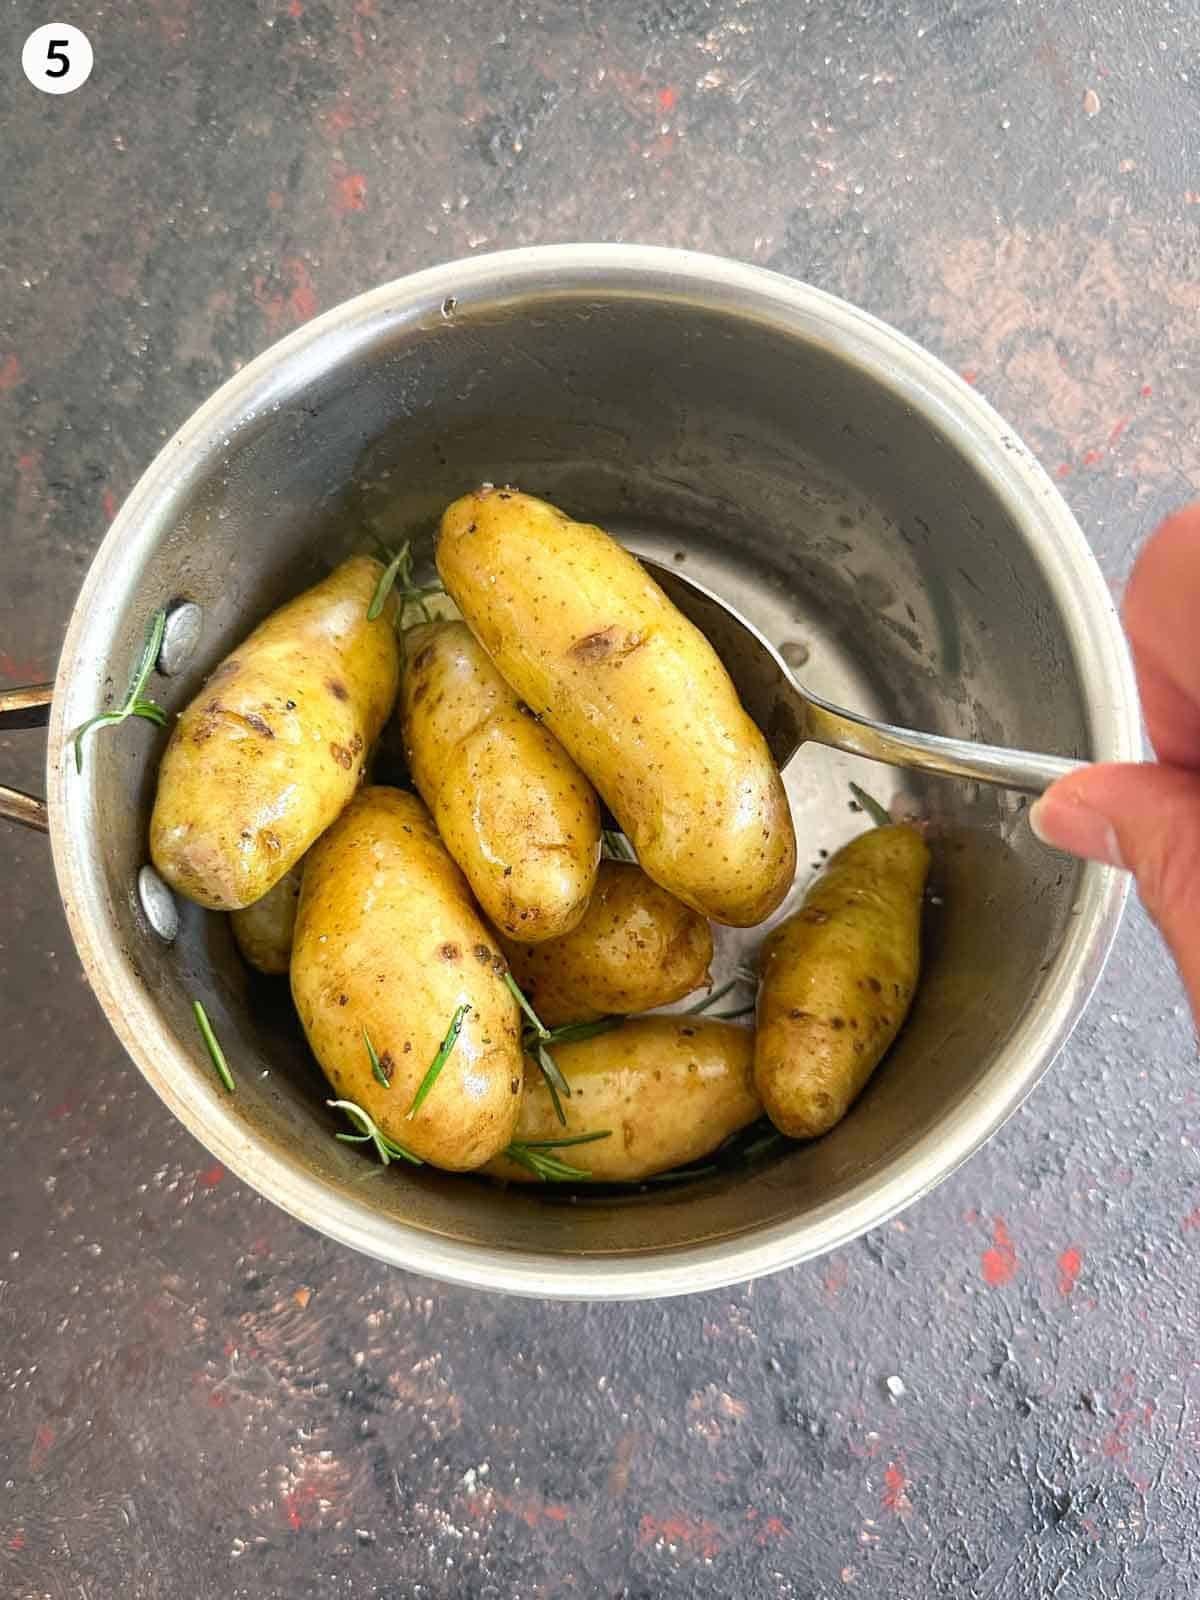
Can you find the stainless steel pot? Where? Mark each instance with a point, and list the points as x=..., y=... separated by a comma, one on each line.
x=845, y=490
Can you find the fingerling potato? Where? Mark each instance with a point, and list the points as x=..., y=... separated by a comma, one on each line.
x=634, y=692
x=273, y=746
x=388, y=940
x=838, y=978
x=667, y=1089
x=637, y=947
x=264, y=930
x=511, y=806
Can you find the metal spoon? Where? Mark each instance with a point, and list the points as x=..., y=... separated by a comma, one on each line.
x=789, y=714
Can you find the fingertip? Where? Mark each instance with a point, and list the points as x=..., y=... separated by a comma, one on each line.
x=1064, y=819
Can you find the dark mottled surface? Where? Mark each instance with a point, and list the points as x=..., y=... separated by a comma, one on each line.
x=200, y=1398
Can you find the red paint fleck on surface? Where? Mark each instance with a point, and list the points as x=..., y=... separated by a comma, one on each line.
x=173, y=19
x=895, y=1490
x=293, y=1502
x=275, y=199
x=1191, y=1223
x=700, y=1537
x=1118, y=428
x=1116, y=1443
x=43, y=1443
x=667, y=99
x=17, y=1542
x=1091, y=457
x=288, y=298
x=837, y=1276
x=999, y=1264
x=531, y=1509
x=1147, y=391
x=358, y=42
x=211, y=1176
x=295, y=9
x=341, y=117
x=1064, y=470
x=969, y=375
x=216, y=1399
x=1069, y=1264
x=10, y=373
x=350, y=192
x=109, y=501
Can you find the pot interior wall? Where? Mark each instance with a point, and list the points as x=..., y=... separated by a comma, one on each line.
x=814, y=496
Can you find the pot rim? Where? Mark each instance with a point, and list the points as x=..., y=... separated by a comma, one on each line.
x=597, y=270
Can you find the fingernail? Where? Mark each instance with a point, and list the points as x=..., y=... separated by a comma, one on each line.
x=1065, y=823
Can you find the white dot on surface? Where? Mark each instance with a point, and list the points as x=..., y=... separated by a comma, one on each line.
x=57, y=58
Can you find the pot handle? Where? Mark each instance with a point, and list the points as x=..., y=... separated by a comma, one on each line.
x=24, y=708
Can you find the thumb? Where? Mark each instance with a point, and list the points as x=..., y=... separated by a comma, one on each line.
x=1146, y=817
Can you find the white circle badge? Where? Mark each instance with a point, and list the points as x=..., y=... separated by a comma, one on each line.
x=57, y=58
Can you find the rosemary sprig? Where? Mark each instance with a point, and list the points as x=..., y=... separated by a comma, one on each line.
x=397, y=575
x=878, y=814
x=537, y=1046
x=533, y=1041
x=534, y=1155
x=135, y=704
x=616, y=846
x=216, y=1054
x=438, y=1062
x=376, y=1065
x=386, y=1148
x=401, y=561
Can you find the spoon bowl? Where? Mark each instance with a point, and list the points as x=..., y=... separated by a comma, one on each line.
x=790, y=716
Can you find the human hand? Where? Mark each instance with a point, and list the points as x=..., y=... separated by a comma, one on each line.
x=1146, y=815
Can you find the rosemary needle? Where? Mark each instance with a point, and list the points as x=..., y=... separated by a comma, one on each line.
x=878, y=814
x=616, y=846
x=438, y=1062
x=539, y=1027
x=376, y=1065
x=388, y=577
x=571, y=1032
x=711, y=999
x=216, y=1054
x=552, y=1072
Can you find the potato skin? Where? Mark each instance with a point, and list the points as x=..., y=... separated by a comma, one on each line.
x=388, y=939
x=636, y=948
x=838, y=978
x=634, y=692
x=513, y=809
x=273, y=746
x=669, y=1090
x=264, y=930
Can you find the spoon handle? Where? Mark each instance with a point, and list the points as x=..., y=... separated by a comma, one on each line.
x=933, y=752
